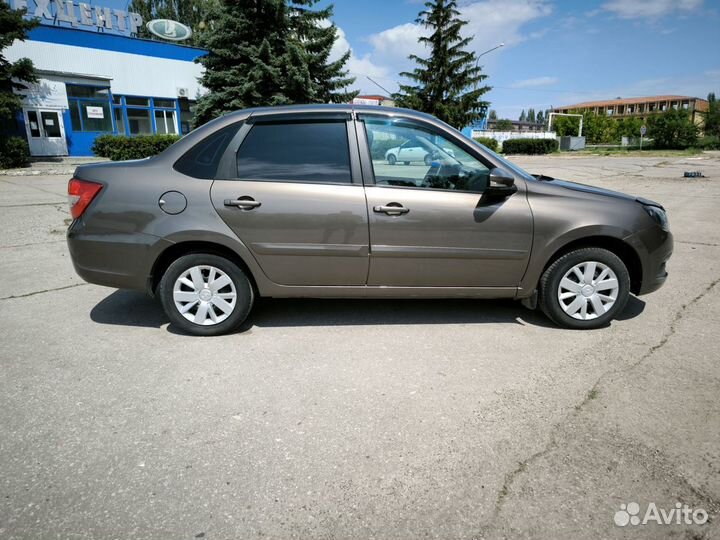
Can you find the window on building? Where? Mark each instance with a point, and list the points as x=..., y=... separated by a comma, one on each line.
x=89, y=108
x=139, y=122
x=296, y=152
x=165, y=122
x=137, y=101
x=609, y=111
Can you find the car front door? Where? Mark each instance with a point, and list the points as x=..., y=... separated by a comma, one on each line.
x=294, y=196
x=429, y=225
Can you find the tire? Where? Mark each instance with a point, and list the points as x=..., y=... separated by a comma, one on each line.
x=428, y=160
x=406, y=162
x=391, y=159
x=217, y=311
x=580, y=305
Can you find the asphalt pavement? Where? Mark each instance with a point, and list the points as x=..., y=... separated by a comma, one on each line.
x=359, y=419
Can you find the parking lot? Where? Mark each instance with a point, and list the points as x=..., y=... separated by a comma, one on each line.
x=362, y=418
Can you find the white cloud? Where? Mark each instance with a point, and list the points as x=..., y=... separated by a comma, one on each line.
x=490, y=22
x=537, y=81
x=358, y=67
x=636, y=9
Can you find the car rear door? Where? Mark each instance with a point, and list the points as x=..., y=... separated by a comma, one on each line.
x=429, y=226
x=290, y=187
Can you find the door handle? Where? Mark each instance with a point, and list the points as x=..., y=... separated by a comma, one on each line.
x=391, y=209
x=246, y=203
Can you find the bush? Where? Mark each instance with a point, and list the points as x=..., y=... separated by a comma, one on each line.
x=530, y=146
x=492, y=144
x=14, y=152
x=709, y=143
x=119, y=147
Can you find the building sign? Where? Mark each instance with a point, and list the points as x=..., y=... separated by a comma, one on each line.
x=365, y=101
x=94, y=112
x=167, y=29
x=81, y=14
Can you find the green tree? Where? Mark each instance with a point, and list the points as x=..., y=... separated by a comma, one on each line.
x=493, y=114
x=540, y=118
x=712, y=119
x=672, y=129
x=264, y=53
x=522, y=117
x=329, y=78
x=447, y=82
x=13, y=75
x=199, y=15
x=503, y=125
x=531, y=116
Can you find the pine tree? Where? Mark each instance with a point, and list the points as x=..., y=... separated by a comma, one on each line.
x=447, y=82
x=531, y=115
x=13, y=75
x=522, y=116
x=268, y=52
x=540, y=118
x=329, y=79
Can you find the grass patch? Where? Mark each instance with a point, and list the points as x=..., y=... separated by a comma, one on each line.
x=635, y=152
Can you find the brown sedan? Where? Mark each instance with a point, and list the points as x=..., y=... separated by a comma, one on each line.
x=302, y=201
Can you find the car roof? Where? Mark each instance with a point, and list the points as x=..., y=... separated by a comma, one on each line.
x=329, y=108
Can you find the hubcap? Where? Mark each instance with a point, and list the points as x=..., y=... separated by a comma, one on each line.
x=204, y=295
x=588, y=290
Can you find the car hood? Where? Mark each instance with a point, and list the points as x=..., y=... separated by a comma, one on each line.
x=584, y=188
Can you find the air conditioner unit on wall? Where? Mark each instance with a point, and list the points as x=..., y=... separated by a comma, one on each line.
x=182, y=92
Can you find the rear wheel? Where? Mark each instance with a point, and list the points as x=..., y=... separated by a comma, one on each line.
x=428, y=159
x=585, y=288
x=205, y=295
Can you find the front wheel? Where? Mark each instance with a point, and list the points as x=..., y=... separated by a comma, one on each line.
x=205, y=295
x=391, y=159
x=585, y=288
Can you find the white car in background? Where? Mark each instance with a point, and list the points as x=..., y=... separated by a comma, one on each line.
x=411, y=151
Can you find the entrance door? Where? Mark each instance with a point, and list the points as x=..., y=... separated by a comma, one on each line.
x=45, y=132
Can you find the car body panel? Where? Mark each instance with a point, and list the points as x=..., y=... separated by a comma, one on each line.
x=302, y=234
x=448, y=239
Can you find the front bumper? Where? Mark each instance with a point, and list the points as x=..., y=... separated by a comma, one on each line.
x=655, y=247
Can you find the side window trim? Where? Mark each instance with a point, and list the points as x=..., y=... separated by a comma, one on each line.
x=228, y=163
x=227, y=169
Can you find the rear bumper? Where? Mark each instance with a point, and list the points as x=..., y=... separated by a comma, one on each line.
x=120, y=260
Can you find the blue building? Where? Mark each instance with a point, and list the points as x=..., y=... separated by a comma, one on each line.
x=96, y=77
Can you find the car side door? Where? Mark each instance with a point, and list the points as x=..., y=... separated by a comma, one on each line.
x=430, y=226
x=290, y=188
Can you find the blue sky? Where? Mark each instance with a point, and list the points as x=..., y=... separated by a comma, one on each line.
x=556, y=52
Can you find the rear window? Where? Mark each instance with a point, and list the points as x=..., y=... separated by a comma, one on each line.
x=296, y=152
x=202, y=160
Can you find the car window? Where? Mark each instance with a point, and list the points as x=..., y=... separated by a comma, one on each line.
x=296, y=152
x=435, y=163
x=201, y=161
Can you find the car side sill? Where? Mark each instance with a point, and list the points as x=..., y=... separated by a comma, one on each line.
x=361, y=291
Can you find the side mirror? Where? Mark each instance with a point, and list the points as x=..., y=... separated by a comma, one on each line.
x=501, y=177
x=501, y=186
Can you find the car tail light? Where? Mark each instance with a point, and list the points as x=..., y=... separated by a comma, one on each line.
x=80, y=195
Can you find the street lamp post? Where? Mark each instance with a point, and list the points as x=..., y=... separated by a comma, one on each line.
x=483, y=124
